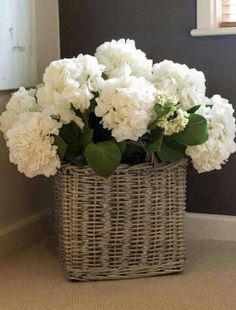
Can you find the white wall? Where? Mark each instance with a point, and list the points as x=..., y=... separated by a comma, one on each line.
x=22, y=198
x=48, y=47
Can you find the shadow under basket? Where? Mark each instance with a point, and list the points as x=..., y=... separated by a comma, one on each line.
x=127, y=226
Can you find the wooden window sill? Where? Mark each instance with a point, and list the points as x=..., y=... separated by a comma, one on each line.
x=228, y=24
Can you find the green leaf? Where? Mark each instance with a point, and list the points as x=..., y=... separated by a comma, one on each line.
x=103, y=157
x=167, y=153
x=72, y=135
x=162, y=110
x=171, y=151
x=105, y=76
x=155, y=140
x=86, y=114
x=87, y=136
x=156, y=133
x=152, y=125
x=156, y=145
x=193, y=109
x=122, y=146
x=61, y=146
x=195, y=132
x=133, y=154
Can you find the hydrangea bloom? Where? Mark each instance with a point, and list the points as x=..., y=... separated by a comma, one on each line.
x=184, y=84
x=126, y=107
x=72, y=81
x=172, y=124
x=162, y=98
x=62, y=113
x=119, y=88
x=123, y=58
x=21, y=101
x=31, y=144
x=216, y=150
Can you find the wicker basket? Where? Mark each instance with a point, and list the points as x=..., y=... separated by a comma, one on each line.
x=131, y=225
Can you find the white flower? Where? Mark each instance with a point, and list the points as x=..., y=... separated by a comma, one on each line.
x=72, y=81
x=126, y=107
x=123, y=58
x=162, y=98
x=7, y=120
x=21, y=101
x=31, y=144
x=186, y=85
x=62, y=113
x=175, y=124
x=221, y=125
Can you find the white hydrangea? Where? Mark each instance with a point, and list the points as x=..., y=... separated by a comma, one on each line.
x=162, y=98
x=186, y=85
x=7, y=120
x=21, y=101
x=62, y=113
x=31, y=144
x=72, y=81
x=221, y=125
x=175, y=124
x=126, y=107
x=123, y=58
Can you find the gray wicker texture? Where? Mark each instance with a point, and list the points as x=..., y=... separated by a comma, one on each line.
x=130, y=225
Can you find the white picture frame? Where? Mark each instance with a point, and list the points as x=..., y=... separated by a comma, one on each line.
x=18, y=59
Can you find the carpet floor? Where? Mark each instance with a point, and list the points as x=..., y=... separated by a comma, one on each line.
x=33, y=280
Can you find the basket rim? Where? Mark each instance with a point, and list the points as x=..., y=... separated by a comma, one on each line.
x=159, y=166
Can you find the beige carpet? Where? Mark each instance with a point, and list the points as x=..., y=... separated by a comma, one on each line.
x=33, y=279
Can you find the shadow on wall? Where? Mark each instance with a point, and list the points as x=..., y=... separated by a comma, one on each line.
x=20, y=197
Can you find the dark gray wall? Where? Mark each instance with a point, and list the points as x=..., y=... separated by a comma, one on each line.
x=162, y=29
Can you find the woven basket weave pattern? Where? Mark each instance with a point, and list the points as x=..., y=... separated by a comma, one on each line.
x=131, y=225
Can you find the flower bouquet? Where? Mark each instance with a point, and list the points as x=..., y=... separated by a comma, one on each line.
x=114, y=115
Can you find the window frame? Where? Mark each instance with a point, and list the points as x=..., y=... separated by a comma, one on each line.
x=228, y=23
x=209, y=20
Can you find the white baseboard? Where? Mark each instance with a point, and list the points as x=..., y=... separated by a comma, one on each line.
x=198, y=226
x=22, y=233
x=210, y=227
